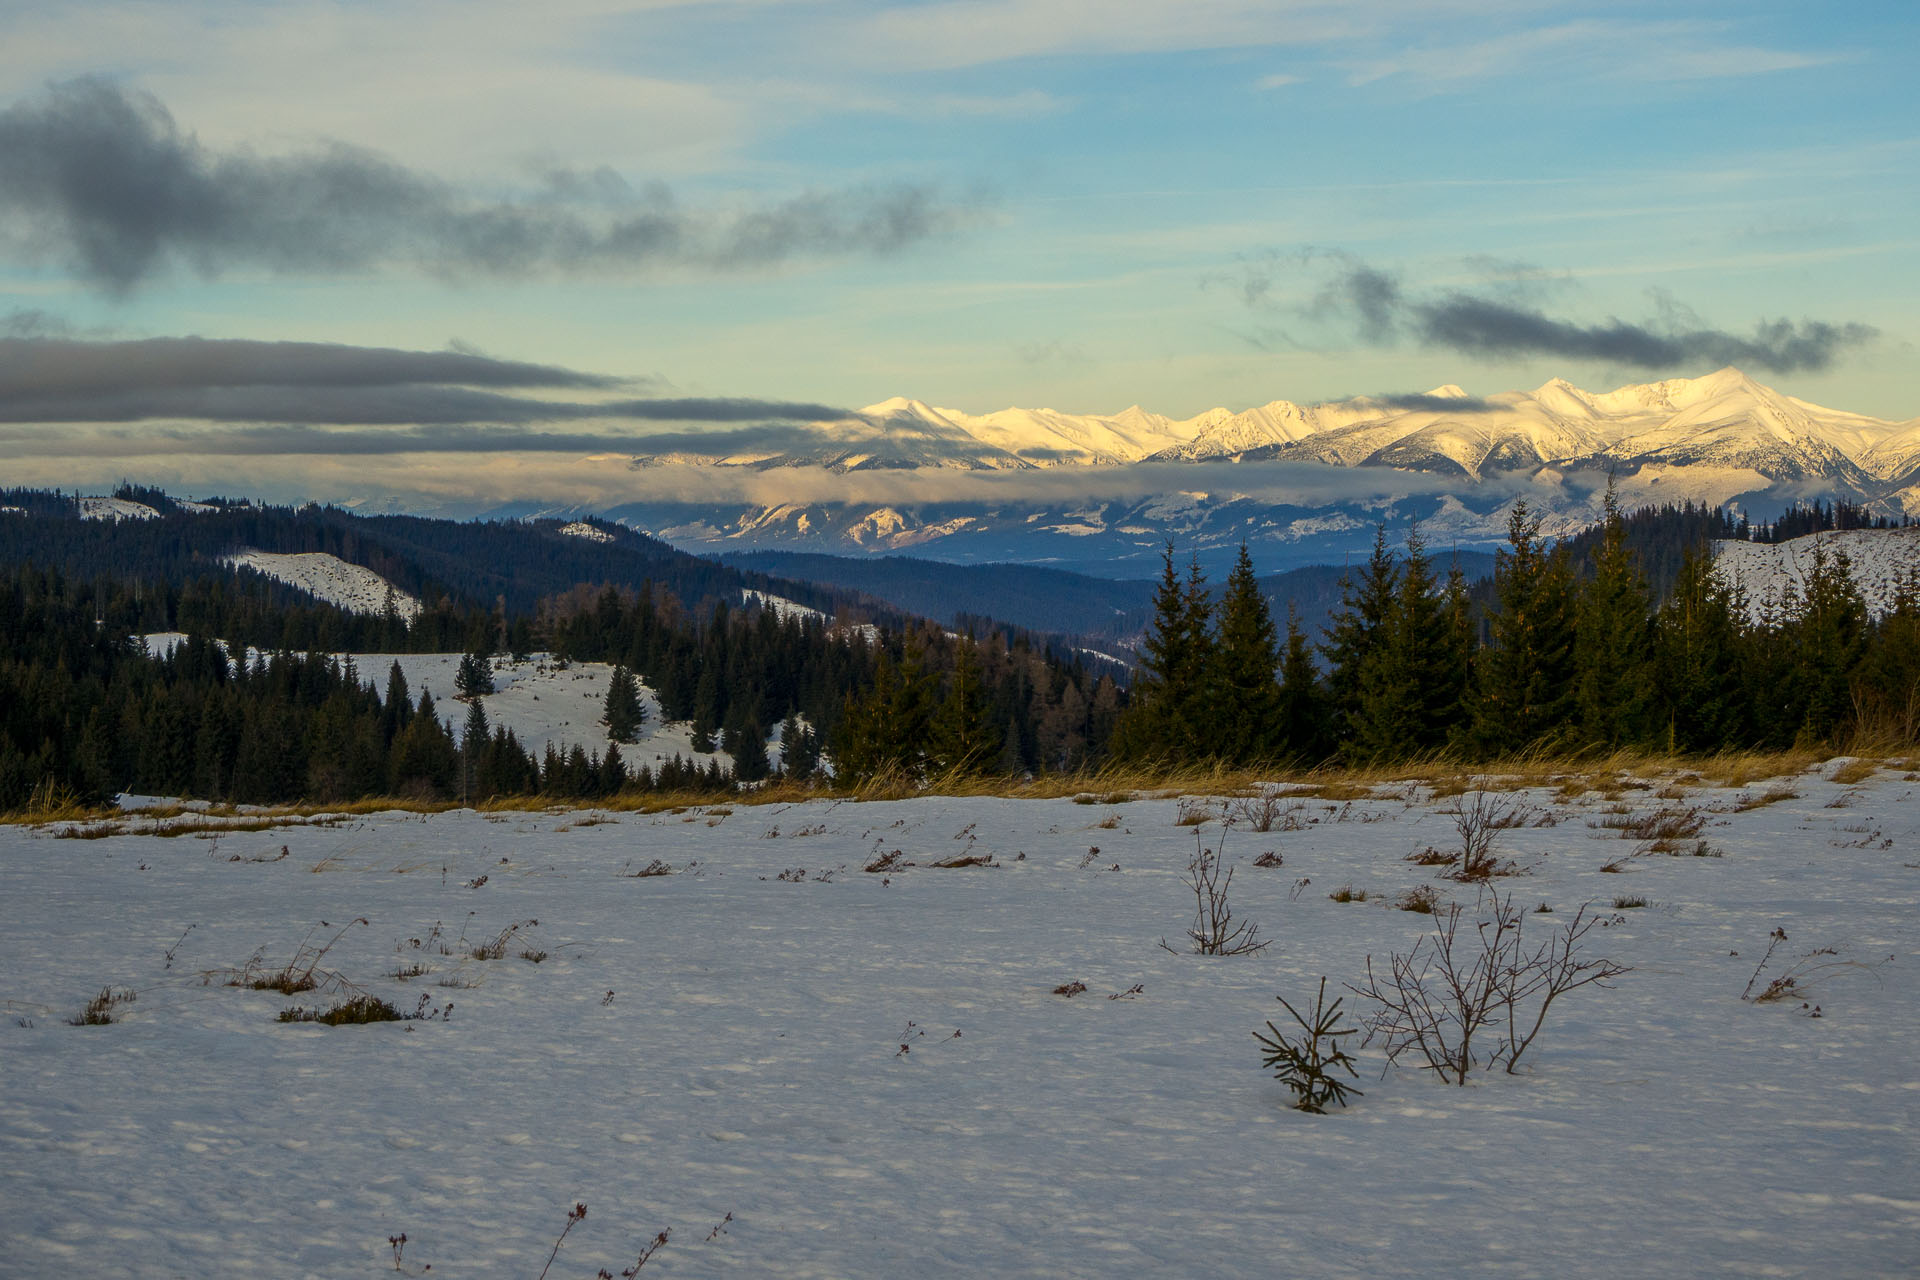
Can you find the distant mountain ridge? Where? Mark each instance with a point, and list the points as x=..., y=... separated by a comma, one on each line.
x=1724, y=419
x=1302, y=484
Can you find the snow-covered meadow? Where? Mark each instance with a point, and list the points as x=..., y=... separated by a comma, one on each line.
x=728, y=1039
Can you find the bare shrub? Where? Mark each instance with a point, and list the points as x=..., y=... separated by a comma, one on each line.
x=892, y=860
x=1306, y=1063
x=1269, y=859
x=1214, y=931
x=1264, y=811
x=1479, y=817
x=1441, y=1001
x=1070, y=989
x=1347, y=893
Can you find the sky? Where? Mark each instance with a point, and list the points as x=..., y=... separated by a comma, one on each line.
x=721, y=211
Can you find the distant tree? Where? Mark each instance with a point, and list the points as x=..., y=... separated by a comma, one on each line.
x=1697, y=668
x=475, y=677
x=1357, y=628
x=625, y=712
x=1247, y=720
x=963, y=738
x=1169, y=717
x=747, y=744
x=1613, y=643
x=1525, y=688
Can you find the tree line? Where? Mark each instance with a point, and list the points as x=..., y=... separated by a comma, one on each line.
x=1560, y=655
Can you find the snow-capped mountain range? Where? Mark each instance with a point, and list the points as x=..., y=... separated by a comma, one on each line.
x=1304, y=483
x=1725, y=420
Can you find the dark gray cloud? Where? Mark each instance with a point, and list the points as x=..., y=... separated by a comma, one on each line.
x=1506, y=316
x=291, y=439
x=63, y=380
x=106, y=184
x=1489, y=328
x=1438, y=404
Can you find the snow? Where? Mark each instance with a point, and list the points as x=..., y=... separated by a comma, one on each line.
x=781, y=607
x=327, y=577
x=581, y=529
x=115, y=509
x=722, y=1041
x=1877, y=560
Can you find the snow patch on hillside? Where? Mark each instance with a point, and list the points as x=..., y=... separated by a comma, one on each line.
x=327, y=577
x=581, y=529
x=1768, y=572
x=116, y=510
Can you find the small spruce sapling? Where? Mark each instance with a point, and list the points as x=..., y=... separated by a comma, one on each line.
x=1306, y=1063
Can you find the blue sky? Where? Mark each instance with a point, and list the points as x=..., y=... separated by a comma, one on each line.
x=982, y=203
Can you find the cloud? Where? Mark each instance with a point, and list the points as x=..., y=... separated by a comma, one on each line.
x=1488, y=328
x=63, y=380
x=1506, y=318
x=106, y=184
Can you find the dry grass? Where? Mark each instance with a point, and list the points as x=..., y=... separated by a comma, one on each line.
x=1852, y=771
x=1773, y=795
x=1570, y=775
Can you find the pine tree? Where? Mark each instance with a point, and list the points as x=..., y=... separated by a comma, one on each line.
x=474, y=737
x=1247, y=726
x=747, y=744
x=1696, y=666
x=625, y=712
x=1613, y=643
x=1302, y=701
x=1526, y=673
x=1357, y=628
x=474, y=678
x=963, y=741
x=1410, y=683
x=1167, y=719
x=1827, y=638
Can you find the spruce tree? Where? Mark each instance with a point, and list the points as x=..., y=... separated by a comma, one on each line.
x=1613, y=642
x=1827, y=637
x=625, y=712
x=474, y=737
x=1526, y=675
x=1696, y=666
x=475, y=676
x=1410, y=682
x=963, y=741
x=1357, y=627
x=1247, y=722
x=1302, y=701
x=1168, y=718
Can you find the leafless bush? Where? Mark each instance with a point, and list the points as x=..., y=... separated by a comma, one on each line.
x=1070, y=989
x=1441, y=1001
x=1347, y=893
x=1265, y=811
x=1213, y=931
x=1479, y=817
x=1269, y=859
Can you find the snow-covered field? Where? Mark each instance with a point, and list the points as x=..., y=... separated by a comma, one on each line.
x=728, y=1039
